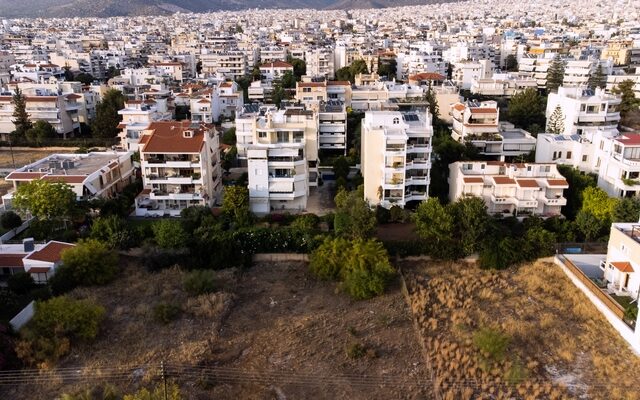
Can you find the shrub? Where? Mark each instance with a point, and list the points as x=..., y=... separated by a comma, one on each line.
x=306, y=222
x=91, y=262
x=158, y=393
x=326, y=261
x=21, y=283
x=169, y=234
x=383, y=216
x=63, y=281
x=166, y=312
x=491, y=342
x=355, y=351
x=397, y=214
x=114, y=231
x=200, y=282
x=56, y=323
x=106, y=392
x=10, y=220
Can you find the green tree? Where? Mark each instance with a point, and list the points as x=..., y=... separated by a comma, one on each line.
x=526, y=109
x=278, y=95
x=44, y=199
x=629, y=103
x=299, y=67
x=597, y=79
x=349, y=73
x=229, y=136
x=538, y=242
x=235, y=204
x=555, y=74
x=40, y=131
x=433, y=221
x=472, y=221
x=434, y=110
x=344, y=74
x=10, y=220
x=578, y=181
x=229, y=158
x=288, y=80
x=169, y=234
x=114, y=232
x=86, y=79
x=107, y=119
x=627, y=210
x=387, y=68
x=90, y=263
x=158, y=393
x=555, y=123
x=499, y=253
x=353, y=217
x=341, y=167
x=511, y=63
x=590, y=226
x=366, y=270
x=326, y=261
x=597, y=202
x=20, y=116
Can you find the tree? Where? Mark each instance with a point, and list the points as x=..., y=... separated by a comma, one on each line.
x=107, y=119
x=40, y=131
x=90, y=263
x=433, y=221
x=627, y=210
x=112, y=72
x=511, y=63
x=229, y=136
x=114, y=232
x=169, y=234
x=288, y=80
x=597, y=79
x=555, y=74
x=578, y=181
x=353, y=218
x=10, y=220
x=172, y=393
x=341, y=167
x=349, y=73
x=84, y=78
x=527, y=109
x=629, y=103
x=45, y=199
x=555, y=123
x=387, y=68
x=326, y=261
x=590, y=226
x=278, y=95
x=434, y=110
x=20, y=117
x=366, y=270
x=344, y=74
x=597, y=202
x=21, y=283
x=299, y=67
x=472, y=220
x=235, y=204
x=229, y=158
x=498, y=253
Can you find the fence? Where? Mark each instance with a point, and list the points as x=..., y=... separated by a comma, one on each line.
x=23, y=316
x=15, y=232
x=581, y=248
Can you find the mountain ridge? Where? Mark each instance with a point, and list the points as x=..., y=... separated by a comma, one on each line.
x=113, y=8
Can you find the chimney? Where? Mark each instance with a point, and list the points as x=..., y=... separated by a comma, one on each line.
x=28, y=244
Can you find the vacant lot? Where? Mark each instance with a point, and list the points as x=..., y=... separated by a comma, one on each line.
x=522, y=333
x=23, y=157
x=272, y=332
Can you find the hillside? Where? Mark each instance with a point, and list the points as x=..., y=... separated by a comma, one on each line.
x=110, y=8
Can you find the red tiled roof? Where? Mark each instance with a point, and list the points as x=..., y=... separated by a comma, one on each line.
x=11, y=260
x=529, y=183
x=623, y=266
x=310, y=84
x=424, y=76
x=472, y=179
x=121, y=125
x=277, y=64
x=50, y=252
x=72, y=179
x=39, y=270
x=557, y=182
x=481, y=110
x=629, y=139
x=73, y=96
x=339, y=83
x=503, y=180
x=459, y=107
x=24, y=176
x=167, y=138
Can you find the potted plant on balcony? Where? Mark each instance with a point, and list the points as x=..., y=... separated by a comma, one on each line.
x=195, y=175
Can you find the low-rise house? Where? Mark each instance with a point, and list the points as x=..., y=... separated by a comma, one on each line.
x=180, y=168
x=510, y=189
x=91, y=175
x=475, y=120
x=40, y=260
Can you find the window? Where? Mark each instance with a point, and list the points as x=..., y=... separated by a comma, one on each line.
x=482, y=166
x=262, y=135
x=546, y=168
x=529, y=168
x=568, y=155
x=598, y=163
x=603, y=107
x=617, y=149
x=601, y=144
x=584, y=158
x=583, y=107
x=555, y=156
x=306, y=90
x=396, y=121
x=592, y=109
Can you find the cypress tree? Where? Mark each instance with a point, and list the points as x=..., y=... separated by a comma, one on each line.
x=555, y=74
x=597, y=79
x=555, y=124
x=20, y=116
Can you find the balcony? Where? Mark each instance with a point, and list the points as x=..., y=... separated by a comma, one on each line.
x=554, y=201
x=525, y=203
x=501, y=199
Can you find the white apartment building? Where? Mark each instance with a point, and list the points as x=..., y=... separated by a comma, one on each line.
x=615, y=158
x=510, y=189
x=273, y=54
x=584, y=110
x=180, y=168
x=396, y=157
x=475, y=120
x=260, y=91
x=614, y=80
x=332, y=126
x=91, y=175
x=275, y=70
x=621, y=268
x=416, y=62
x=282, y=158
x=228, y=100
x=504, y=85
x=137, y=115
x=466, y=72
x=576, y=73
x=61, y=111
x=232, y=64
x=320, y=62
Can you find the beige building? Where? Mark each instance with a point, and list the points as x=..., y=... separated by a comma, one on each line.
x=396, y=157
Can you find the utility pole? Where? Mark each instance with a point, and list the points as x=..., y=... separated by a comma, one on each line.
x=164, y=379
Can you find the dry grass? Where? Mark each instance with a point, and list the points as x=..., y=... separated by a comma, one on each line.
x=560, y=346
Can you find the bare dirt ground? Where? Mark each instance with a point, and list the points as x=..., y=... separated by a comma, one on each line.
x=23, y=157
x=559, y=345
x=298, y=332
x=273, y=333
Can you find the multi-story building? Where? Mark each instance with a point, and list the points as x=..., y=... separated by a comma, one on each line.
x=91, y=175
x=504, y=85
x=475, y=120
x=396, y=157
x=228, y=100
x=320, y=62
x=275, y=70
x=136, y=117
x=510, y=189
x=577, y=72
x=232, y=64
x=180, y=168
x=282, y=157
x=584, y=110
x=466, y=72
x=332, y=126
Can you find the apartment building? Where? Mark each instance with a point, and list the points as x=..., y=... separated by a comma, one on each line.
x=466, y=72
x=332, y=126
x=503, y=85
x=282, y=157
x=416, y=62
x=621, y=268
x=273, y=53
x=61, y=111
x=577, y=71
x=614, y=80
x=260, y=91
x=474, y=120
x=585, y=110
x=228, y=100
x=137, y=115
x=175, y=70
x=91, y=175
x=180, y=168
x=275, y=70
x=231, y=64
x=320, y=62
x=396, y=157
x=510, y=189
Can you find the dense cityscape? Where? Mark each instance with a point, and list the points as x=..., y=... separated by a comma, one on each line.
x=354, y=201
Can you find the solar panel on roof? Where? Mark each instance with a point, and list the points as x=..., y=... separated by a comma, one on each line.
x=411, y=117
